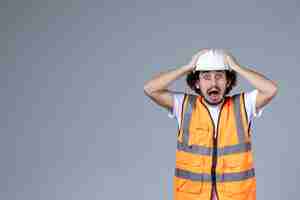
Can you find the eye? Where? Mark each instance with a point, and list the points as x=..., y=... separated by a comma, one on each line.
x=220, y=76
x=205, y=76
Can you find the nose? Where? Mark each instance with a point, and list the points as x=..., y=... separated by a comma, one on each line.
x=213, y=81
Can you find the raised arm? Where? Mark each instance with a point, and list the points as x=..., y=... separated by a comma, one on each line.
x=267, y=89
x=157, y=87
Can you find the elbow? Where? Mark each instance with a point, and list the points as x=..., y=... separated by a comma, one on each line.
x=273, y=89
x=270, y=91
x=147, y=90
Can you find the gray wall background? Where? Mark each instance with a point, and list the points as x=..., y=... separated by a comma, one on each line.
x=75, y=123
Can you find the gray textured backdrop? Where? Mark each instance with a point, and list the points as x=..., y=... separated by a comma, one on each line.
x=75, y=123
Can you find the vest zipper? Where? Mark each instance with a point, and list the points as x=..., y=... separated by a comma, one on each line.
x=215, y=150
x=214, y=166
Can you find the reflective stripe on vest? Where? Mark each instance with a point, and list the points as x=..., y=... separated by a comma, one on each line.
x=187, y=117
x=238, y=118
x=239, y=176
x=202, y=150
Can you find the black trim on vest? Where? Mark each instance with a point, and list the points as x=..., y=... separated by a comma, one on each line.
x=182, y=111
x=244, y=106
x=245, y=111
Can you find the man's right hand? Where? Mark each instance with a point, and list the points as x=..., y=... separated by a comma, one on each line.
x=193, y=62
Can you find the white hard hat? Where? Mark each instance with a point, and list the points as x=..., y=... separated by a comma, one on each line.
x=213, y=59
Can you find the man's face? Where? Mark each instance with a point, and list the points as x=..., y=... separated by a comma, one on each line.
x=213, y=85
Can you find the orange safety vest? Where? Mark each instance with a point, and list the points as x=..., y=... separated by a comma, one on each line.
x=207, y=159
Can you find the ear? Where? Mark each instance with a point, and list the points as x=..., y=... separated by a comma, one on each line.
x=228, y=83
x=197, y=85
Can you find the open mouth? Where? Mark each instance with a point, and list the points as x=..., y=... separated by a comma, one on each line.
x=214, y=94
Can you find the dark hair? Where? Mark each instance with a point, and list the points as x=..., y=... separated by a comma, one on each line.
x=192, y=77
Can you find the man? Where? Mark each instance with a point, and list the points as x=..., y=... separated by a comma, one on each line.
x=213, y=156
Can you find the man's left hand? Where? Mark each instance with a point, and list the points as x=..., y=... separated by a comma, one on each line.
x=231, y=61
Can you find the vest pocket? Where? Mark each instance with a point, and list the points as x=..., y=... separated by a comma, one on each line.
x=190, y=162
x=188, y=186
x=199, y=135
x=240, y=189
x=237, y=162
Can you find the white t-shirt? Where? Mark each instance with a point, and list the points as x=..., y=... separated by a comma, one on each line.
x=250, y=100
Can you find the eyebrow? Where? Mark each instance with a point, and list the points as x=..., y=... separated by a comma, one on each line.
x=212, y=71
x=202, y=72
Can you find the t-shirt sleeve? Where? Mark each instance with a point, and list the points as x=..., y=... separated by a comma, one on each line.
x=250, y=104
x=177, y=106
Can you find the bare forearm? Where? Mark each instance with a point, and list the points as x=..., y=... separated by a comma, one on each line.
x=162, y=80
x=259, y=81
x=267, y=89
x=265, y=86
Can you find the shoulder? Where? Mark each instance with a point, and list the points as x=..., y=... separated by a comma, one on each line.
x=178, y=102
x=178, y=98
x=251, y=95
x=249, y=98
